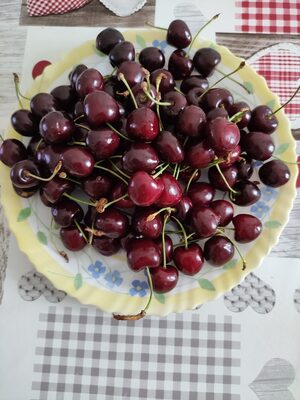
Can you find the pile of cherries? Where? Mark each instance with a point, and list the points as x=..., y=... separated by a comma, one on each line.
x=132, y=147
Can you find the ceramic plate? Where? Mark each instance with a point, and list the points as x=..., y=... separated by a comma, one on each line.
x=107, y=282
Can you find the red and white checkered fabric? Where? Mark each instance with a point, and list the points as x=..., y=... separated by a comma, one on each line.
x=281, y=69
x=268, y=16
x=45, y=7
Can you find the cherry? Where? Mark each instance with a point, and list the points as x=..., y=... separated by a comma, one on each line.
x=66, y=211
x=164, y=279
x=24, y=122
x=216, y=97
x=180, y=65
x=168, y=247
x=245, y=167
x=49, y=156
x=201, y=193
x=65, y=96
x=263, y=120
x=12, y=151
x=123, y=51
x=224, y=210
x=99, y=108
x=169, y=147
x=142, y=124
x=191, y=121
x=167, y=82
x=73, y=238
x=108, y=39
x=143, y=253
x=132, y=71
x=194, y=94
x=177, y=103
x=143, y=189
x=246, y=228
x=222, y=135
x=128, y=239
x=112, y=222
x=190, y=175
x=78, y=161
x=184, y=207
x=240, y=106
x=89, y=81
x=171, y=193
x=41, y=104
x=152, y=58
x=80, y=134
x=178, y=34
x=247, y=193
x=141, y=99
x=34, y=144
x=25, y=193
x=106, y=246
x=19, y=174
x=231, y=158
x=274, y=173
x=258, y=145
x=140, y=157
x=217, y=180
x=43, y=198
x=200, y=155
x=119, y=190
x=89, y=217
x=205, y=221
x=147, y=223
x=56, y=128
x=54, y=190
x=102, y=142
x=218, y=250
x=78, y=110
x=74, y=74
x=205, y=61
x=194, y=81
x=189, y=260
x=215, y=113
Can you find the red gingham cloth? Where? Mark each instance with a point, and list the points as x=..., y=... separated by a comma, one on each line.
x=268, y=16
x=45, y=7
x=281, y=69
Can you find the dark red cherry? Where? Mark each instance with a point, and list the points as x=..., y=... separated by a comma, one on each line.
x=56, y=128
x=180, y=65
x=75, y=74
x=140, y=157
x=263, y=120
x=216, y=97
x=217, y=181
x=240, y=106
x=224, y=210
x=123, y=51
x=73, y=238
x=171, y=193
x=144, y=190
x=42, y=103
x=167, y=83
x=12, y=151
x=193, y=96
x=142, y=124
x=164, y=279
x=168, y=247
x=193, y=81
x=49, y=156
x=245, y=167
x=54, y=190
x=24, y=122
x=128, y=239
x=200, y=155
x=169, y=147
x=183, y=207
x=80, y=134
x=112, y=222
x=218, y=250
x=177, y=104
x=190, y=174
x=106, y=246
x=78, y=161
x=231, y=158
x=65, y=96
x=141, y=99
x=25, y=193
x=152, y=58
x=147, y=224
x=97, y=185
x=216, y=112
x=247, y=193
x=178, y=34
x=78, y=110
x=132, y=71
x=89, y=81
x=44, y=199
x=108, y=39
x=222, y=135
x=191, y=121
x=205, y=221
x=201, y=193
x=34, y=144
x=120, y=189
x=274, y=173
x=19, y=174
x=189, y=261
x=66, y=212
x=99, y=108
x=143, y=253
x=246, y=228
x=205, y=61
x=258, y=145
x=102, y=142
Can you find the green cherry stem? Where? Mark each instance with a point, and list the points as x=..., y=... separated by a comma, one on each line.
x=238, y=116
x=39, y=178
x=183, y=231
x=287, y=102
x=17, y=90
x=81, y=231
x=178, y=90
x=102, y=204
x=191, y=180
x=106, y=77
x=198, y=33
x=153, y=215
x=158, y=97
x=111, y=172
x=156, y=27
x=163, y=239
x=224, y=179
x=83, y=126
x=160, y=171
x=88, y=203
x=119, y=170
x=122, y=78
x=118, y=133
x=178, y=171
x=234, y=80
x=145, y=90
x=286, y=162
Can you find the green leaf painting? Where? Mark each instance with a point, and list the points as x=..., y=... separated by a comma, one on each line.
x=42, y=237
x=273, y=224
x=206, y=284
x=281, y=148
x=160, y=297
x=230, y=264
x=141, y=41
x=24, y=214
x=78, y=281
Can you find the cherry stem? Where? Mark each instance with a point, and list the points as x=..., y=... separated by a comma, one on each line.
x=163, y=239
x=119, y=170
x=287, y=162
x=178, y=90
x=178, y=171
x=175, y=170
x=180, y=244
x=288, y=101
x=242, y=64
x=88, y=203
x=79, y=117
x=158, y=97
x=156, y=27
x=102, y=204
x=160, y=103
x=122, y=78
x=2, y=138
x=183, y=231
x=147, y=76
x=17, y=89
x=81, y=231
x=153, y=215
x=191, y=180
x=39, y=178
x=224, y=179
x=221, y=232
x=160, y=171
x=199, y=31
x=78, y=143
x=234, y=80
x=106, y=77
x=116, y=200
x=111, y=172
x=91, y=234
x=83, y=127
x=238, y=116
x=118, y=133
